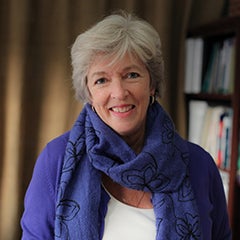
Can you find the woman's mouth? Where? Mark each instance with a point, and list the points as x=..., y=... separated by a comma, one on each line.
x=122, y=109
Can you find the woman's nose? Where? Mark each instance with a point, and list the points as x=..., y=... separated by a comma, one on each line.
x=119, y=89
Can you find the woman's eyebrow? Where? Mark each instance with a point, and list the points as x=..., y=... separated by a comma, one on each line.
x=100, y=73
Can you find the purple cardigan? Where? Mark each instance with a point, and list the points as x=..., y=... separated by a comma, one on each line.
x=38, y=218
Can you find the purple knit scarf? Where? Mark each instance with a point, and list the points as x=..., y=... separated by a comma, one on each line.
x=161, y=168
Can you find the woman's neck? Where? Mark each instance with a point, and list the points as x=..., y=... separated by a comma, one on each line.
x=127, y=196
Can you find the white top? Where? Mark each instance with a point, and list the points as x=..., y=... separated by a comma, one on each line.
x=129, y=223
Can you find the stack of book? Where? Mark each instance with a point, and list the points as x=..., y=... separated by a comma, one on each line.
x=209, y=66
x=211, y=127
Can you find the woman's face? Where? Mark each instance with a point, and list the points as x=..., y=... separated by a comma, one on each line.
x=120, y=93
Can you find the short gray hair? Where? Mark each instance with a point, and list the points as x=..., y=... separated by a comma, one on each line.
x=116, y=35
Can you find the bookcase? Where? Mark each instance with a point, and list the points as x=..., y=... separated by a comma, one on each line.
x=212, y=84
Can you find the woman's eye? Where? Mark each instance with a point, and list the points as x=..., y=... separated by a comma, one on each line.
x=132, y=75
x=100, y=81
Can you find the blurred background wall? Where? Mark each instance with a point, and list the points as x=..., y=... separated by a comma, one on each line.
x=36, y=97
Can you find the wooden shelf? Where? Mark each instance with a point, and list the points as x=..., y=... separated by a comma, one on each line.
x=225, y=26
x=218, y=98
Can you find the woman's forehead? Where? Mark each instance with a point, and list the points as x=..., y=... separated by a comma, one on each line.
x=115, y=60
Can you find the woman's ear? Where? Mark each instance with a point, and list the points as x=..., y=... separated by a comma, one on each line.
x=152, y=92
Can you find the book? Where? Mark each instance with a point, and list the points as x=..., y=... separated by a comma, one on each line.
x=226, y=66
x=224, y=139
x=193, y=65
x=209, y=80
x=189, y=46
x=225, y=180
x=228, y=79
x=227, y=138
x=197, y=111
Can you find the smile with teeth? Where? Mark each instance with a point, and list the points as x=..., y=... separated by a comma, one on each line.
x=122, y=109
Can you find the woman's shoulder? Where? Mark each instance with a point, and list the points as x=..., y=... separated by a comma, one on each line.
x=200, y=158
x=57, y=145
x=203, y=171
x=50, y=160
x=53, y=153
x=202, y=167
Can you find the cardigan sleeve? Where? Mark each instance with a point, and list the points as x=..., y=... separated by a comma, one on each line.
x=221, y=228
x=210, y=196
x=39, y=204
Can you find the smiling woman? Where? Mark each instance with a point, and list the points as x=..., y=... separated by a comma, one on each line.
x=123, y=154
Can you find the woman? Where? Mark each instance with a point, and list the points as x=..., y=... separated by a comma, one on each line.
x=123, y=172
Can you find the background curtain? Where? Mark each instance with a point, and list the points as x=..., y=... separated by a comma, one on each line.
x=36, y=97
